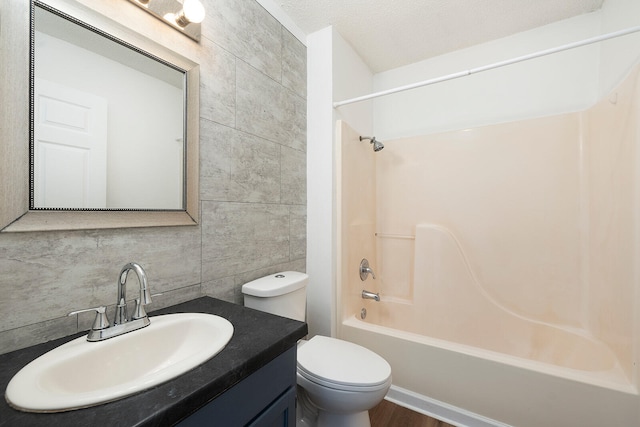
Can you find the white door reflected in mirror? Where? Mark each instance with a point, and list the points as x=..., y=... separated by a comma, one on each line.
x=70, y=147
x=126, y=152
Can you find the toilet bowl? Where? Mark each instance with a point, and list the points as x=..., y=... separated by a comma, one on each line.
x=338, y=381
x=342, y=380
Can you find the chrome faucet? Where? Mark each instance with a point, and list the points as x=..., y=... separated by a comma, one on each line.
x=370, y=295
x=144, y=299
x=101, y=328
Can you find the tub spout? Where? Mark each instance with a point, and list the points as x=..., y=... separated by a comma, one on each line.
x=370, y=295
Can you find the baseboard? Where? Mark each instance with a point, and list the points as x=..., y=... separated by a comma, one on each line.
x=440, y=410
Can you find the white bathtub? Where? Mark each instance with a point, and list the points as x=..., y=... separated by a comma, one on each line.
x=459, y=355
x=441, y=378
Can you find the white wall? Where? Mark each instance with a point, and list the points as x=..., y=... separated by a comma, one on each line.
x=351, y=77
x=320, y=199
x=559, y=83
x=550, y=85
x=334, y=71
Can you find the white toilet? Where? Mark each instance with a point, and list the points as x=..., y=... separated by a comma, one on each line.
x=340, y=380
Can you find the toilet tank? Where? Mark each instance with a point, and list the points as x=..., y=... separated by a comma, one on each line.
x=284, y=294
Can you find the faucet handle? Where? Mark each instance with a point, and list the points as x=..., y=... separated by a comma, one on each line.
x=100, y=322
x=365, y=270
x=140, y=312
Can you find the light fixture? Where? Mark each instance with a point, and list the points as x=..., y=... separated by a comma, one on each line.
x=192, y=13
x=182, y=15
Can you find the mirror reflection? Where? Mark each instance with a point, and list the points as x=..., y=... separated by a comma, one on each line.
x=108, y=122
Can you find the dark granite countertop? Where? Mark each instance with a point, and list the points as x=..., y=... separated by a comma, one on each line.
x=257, y=339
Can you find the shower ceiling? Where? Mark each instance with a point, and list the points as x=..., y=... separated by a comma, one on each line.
x=392, y=33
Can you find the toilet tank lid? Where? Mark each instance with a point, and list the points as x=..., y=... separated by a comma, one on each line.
x=276, y=284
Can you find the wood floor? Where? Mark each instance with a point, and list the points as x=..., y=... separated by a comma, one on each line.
x=388, y=414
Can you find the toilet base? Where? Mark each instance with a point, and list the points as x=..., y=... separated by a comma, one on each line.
x=308, y=415
x=358, y=419
x=306, y=412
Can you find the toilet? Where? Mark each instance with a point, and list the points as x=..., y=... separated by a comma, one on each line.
x=338, y=381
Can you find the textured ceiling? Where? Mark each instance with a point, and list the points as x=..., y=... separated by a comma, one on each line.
x=392, y=33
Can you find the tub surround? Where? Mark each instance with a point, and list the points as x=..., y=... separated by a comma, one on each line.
x=513, y=264
x=258, y=339
x=546, y=236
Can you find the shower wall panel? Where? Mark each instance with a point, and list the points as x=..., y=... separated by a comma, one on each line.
x=510, y=193
x=544, y=210
x=613, y=133
x=356, y=214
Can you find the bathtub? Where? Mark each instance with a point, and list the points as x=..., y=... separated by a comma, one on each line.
x=470, y=386
x=462, y=357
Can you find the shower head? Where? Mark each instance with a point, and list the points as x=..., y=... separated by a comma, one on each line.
x=377, y=145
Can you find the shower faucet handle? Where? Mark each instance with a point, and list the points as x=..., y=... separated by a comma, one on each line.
x=365, y=270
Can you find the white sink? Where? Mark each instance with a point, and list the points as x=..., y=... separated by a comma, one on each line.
x=81, y=373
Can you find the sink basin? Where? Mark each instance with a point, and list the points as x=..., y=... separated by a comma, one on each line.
x=79, y=373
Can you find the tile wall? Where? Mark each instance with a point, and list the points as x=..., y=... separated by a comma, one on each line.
x=252, y=191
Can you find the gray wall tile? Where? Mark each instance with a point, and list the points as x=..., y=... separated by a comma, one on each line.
x=53, y=273
x=246, y=29
x=298, y=232
x=268, y=109
x=237, y=166
x=240, y=237
x=294, y=64
x=15, y=339
x=294, y=176
x=224, y=289
x=217, y=84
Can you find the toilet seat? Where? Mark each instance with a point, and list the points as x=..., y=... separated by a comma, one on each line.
x=342, y=365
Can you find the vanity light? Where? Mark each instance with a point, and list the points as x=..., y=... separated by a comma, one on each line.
x=182, y=15
x=192, y=12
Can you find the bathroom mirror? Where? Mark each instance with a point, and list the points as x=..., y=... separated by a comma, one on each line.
x=108, y=122
x=113, y=135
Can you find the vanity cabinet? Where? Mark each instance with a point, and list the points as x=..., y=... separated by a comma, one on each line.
x=267, y=398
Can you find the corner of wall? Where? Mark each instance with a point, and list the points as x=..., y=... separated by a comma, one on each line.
x=335, y=71
x=320, y=199
x=618, y=56
x=351, y=77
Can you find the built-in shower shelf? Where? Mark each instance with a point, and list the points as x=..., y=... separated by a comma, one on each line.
x=396, y=236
